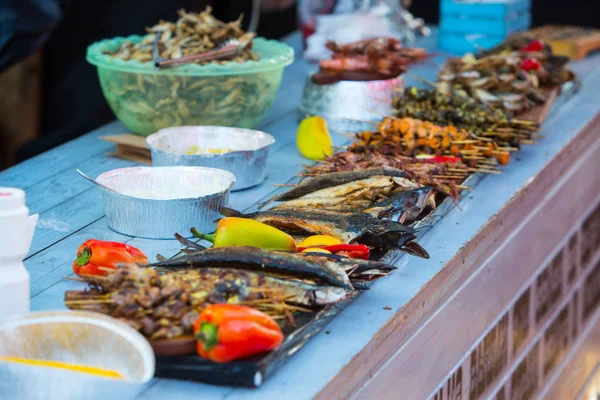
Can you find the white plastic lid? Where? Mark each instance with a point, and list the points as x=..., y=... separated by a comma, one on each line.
x=11, y=199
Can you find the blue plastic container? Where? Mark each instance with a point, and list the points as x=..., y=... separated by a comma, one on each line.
x=469, y=25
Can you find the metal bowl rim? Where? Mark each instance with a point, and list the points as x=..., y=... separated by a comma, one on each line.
x=225, y=173
x=168, y=131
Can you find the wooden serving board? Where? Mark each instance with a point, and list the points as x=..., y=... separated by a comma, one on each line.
x=570, y=41
x=539, y=113
x=130, y=147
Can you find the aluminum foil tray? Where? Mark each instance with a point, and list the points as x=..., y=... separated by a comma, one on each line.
x=247, y=158
x=157, y=202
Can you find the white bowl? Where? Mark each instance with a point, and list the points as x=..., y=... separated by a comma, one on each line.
x=74, y=337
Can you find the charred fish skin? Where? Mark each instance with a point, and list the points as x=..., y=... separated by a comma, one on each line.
x=335, y=179
x=304, y=222
x=351, y=196
x=294, y=291
x=252, y=258
x=356, y=265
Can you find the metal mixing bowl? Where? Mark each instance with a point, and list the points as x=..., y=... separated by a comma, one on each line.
x=349, y=106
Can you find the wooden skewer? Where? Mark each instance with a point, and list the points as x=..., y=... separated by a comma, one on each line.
x=448, y=177
x=528, y=141
x=89, y=301
x=349, y=135
x=464, y=141
x=488, y=171
x=284, y=184
x=381, y=114
x=74, y=279
x=509, y=148
x=474, y=158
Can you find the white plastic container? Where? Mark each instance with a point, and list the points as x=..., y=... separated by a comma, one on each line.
x=16, y=233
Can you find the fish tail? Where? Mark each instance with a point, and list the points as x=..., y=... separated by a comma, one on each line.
x=415, y=249
x=265, y=203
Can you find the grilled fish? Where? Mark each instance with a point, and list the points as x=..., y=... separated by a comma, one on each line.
x=349, y=228
x=222, y=284
x=276, y=262
x=335, y=179
x=351, y=196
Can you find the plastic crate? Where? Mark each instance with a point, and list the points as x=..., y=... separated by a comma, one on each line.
x=467, y=26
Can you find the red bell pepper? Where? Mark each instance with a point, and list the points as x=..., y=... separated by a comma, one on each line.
x=95, y=256
x=533, y=46
x=350, y=250
x=444, y=159
x=530, y=64
x=227, y=332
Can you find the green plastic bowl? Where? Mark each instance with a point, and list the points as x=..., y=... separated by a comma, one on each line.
x=146, y=99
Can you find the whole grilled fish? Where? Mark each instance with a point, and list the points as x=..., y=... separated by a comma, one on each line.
x=222, y=283
x=350, y=265
x=349, y=228
x=276, y=262
x=335, y=179
x=351, y=196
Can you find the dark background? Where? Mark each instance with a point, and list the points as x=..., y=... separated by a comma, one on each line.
x=72, y=100
x=573, y=12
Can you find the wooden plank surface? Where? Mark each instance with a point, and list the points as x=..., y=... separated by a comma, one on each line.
x=72, y=211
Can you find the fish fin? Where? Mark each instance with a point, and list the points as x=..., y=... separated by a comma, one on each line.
x=263, y=204
x=360, y=285
x=189, y=243
x=230, y=212
x=415, y=249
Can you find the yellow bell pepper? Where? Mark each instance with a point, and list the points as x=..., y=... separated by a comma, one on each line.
x=316, y=250
x=319, y=240
x=232, y=231
x=313, y=138
x=60, y=365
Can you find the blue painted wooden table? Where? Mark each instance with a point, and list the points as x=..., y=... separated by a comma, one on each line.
x=71, y=211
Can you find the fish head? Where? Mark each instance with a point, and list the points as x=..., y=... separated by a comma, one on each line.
x=386, y=235
x=329, y=295
x=407, y=205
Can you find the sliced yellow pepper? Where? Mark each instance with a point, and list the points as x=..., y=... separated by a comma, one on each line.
x=319, y=240
x=316, y=250
x=313, y=138
x=60, y=365
x=233, y=231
